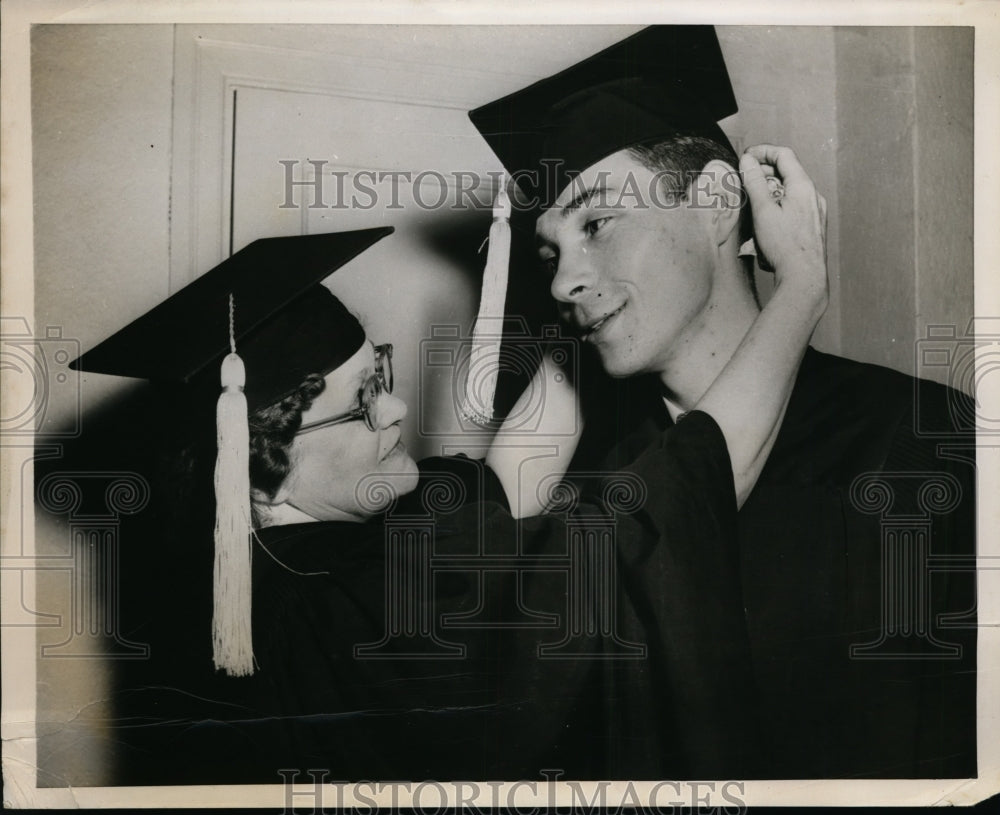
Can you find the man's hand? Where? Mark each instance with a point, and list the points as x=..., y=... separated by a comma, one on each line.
x=790, y=231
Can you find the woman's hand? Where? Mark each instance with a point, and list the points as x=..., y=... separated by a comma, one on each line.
x=749, y=397
x=789, y=230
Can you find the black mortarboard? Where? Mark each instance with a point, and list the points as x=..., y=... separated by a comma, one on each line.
x=260, y=322
x=285, y=324
x=664, y=80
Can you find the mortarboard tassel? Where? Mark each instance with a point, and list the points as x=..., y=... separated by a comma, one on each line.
x=484, y=362
x=232, y=638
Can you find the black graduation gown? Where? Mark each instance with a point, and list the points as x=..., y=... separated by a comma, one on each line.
x=871, y=471
x=319, y=589
x=595, y=709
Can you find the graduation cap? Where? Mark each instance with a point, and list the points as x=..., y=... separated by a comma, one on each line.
x=262, y=318
x=664, y=80
x=285, y=325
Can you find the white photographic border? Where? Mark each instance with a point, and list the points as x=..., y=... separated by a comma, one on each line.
x=16, y=296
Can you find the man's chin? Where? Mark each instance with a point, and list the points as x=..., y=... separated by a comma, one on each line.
x=616, y=365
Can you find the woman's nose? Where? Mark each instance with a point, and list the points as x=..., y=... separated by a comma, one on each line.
x=391, y=409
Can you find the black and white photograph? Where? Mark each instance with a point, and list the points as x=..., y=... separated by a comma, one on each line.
x=424, y=406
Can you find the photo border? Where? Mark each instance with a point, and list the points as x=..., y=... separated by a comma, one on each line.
x=17, y=298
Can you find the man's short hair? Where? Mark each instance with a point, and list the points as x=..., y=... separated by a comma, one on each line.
x=679, y=160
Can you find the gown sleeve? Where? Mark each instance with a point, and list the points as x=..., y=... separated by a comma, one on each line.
x=646, y=673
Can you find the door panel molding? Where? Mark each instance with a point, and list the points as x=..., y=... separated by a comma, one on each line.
x=208, y=70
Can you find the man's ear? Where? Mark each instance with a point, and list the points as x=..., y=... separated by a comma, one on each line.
x=718, y=188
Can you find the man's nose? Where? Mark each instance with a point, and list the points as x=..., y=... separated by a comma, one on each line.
x=391, y=409
x=574, y=277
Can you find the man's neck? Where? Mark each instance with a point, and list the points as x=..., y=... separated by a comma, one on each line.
x=707, y=348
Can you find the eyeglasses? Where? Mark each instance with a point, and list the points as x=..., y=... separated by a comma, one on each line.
x=378, y=383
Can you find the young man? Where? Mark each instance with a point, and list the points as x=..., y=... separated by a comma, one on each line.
x=871, y=479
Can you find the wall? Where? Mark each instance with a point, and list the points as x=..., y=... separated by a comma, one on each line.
x=101, y=116
x=943, y=71
x=801, y=114
x=101, y=113
x=904, y=168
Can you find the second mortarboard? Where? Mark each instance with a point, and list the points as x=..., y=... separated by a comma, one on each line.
x=285, y=325
x=263, y=318
x=664, y=80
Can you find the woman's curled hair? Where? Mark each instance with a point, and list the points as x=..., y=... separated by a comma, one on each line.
x=272, y=431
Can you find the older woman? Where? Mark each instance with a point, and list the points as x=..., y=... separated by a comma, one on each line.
x=322, y=418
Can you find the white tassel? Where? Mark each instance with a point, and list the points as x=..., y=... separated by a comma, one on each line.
x=484, y=360
x=232, y=637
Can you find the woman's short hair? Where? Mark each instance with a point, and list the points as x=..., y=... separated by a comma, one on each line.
x=272, y=431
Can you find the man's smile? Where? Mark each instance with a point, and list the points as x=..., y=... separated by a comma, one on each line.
x=589, y=330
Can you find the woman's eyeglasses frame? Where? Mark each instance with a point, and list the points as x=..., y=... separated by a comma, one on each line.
x=375, y=385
